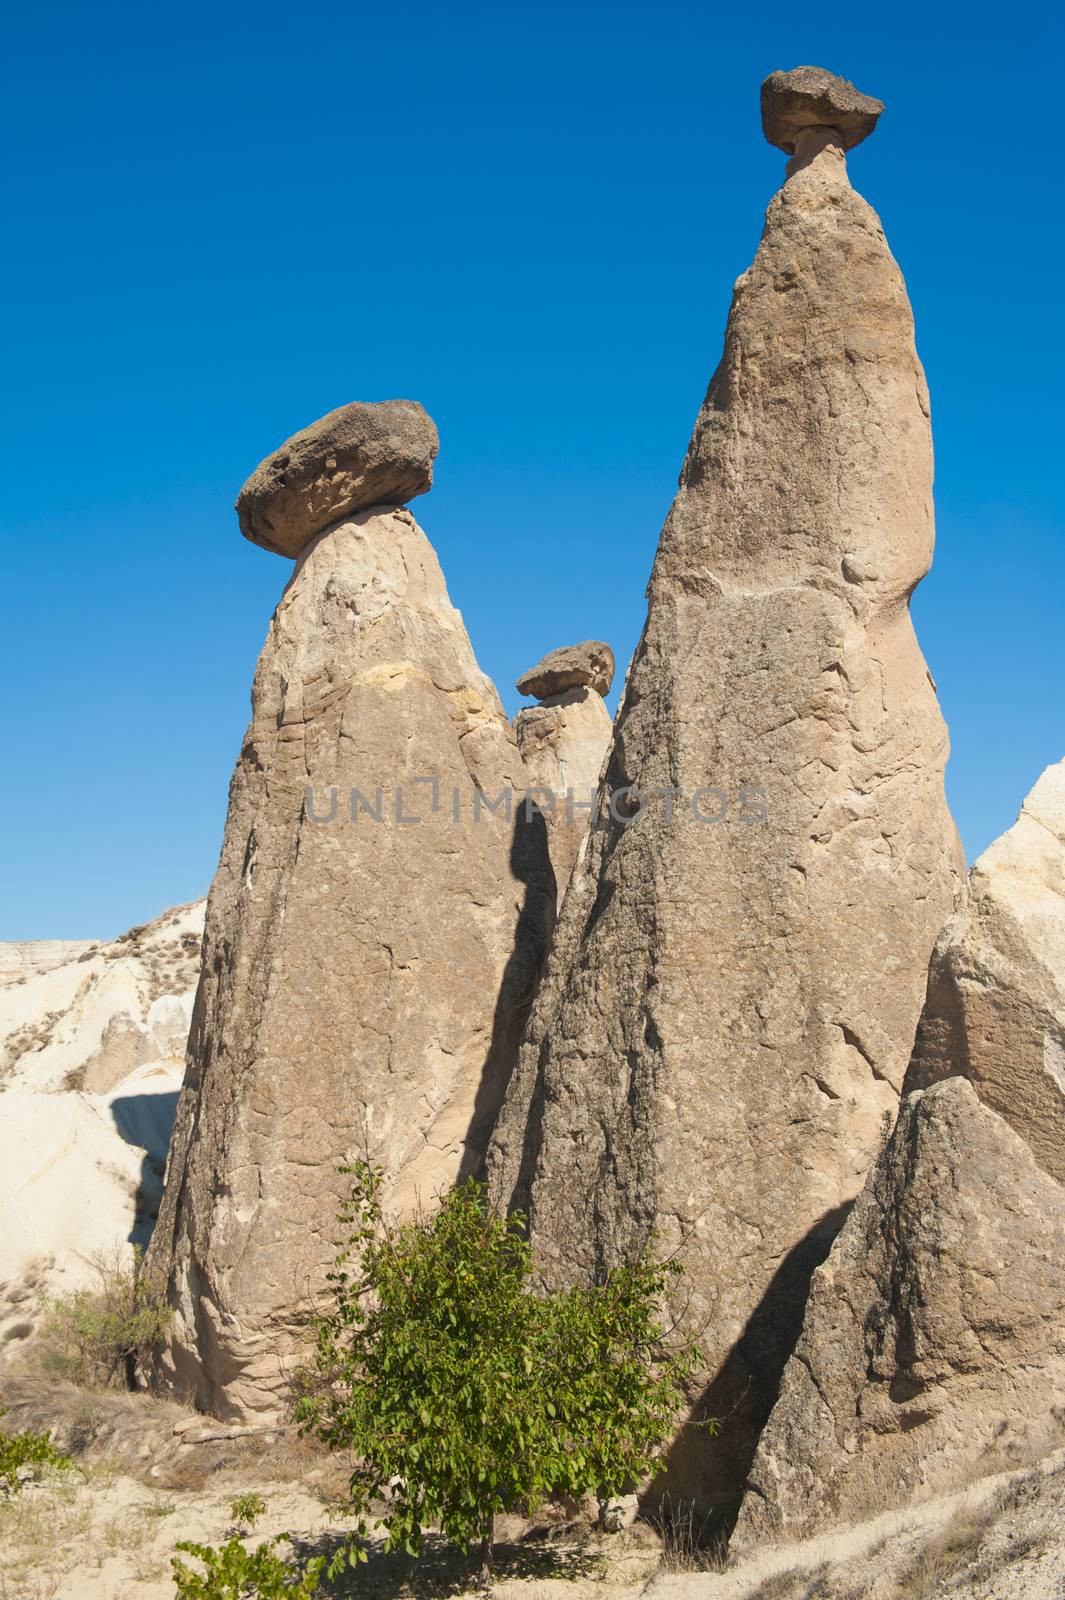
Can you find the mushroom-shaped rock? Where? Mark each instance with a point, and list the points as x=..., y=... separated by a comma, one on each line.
x=810, y=97
x=573, y=666
x=728, y=1011
x=364, y=983
x=360, y=455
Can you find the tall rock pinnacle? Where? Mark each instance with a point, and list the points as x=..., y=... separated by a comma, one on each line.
x=373, y=930
x=724, y=1026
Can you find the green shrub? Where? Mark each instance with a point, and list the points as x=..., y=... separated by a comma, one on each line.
x=231, y=1572
x=27, y=1450
x=461, y=1393
x=97, y=1337
x=246, y=1510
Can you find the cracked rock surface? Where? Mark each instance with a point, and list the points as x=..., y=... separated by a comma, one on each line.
x=363, y=454
x=364, y=982
x=729, y=1008
x=995, y=1010
x=571, y=666
x=933, y=1350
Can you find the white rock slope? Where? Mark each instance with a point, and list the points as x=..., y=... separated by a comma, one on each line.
x=24, y=958
x=92, y=1051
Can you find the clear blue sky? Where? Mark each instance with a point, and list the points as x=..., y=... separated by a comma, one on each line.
x=226, y=220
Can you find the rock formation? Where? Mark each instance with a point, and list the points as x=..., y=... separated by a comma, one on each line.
x=933, y=1349
x=92, y=1052
x=360, y=455
x=573, y=666
x=995, y=1009
x=809, y=98
x=728, y=1012
x=25, y=958
x=563, y=741
x=372, y=932
x=89, y=1019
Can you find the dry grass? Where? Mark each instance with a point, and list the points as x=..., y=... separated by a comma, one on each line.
x=286, y=1457
x=972, y=1547
x=170, y=965
x=112, y=1431
x=93, y=1425
x=950, y=1551
x=126, y=1535
x=54, y=1527
x=690, y=1542
x=158, y=1506
x=30, y=1037
x=120, y=1440
x=41, y=1531
x=276, y=1457
x=798, y=1583
x=171, y=970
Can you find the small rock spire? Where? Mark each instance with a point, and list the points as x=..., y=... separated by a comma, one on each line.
x=563, y=741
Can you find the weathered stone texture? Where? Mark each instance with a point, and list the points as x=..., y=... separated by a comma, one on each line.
x=933, y=1349
x=364, y=982
x=995, y=1009
x=810, y=97
x=563, y=743
x=572, y=666
x=729, y=1009
x=363, y=454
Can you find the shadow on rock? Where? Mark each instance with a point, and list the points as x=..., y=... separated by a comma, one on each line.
x=146, y=1121
x=706, y=1472
x=530, y=863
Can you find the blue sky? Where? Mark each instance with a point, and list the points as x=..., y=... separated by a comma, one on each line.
x=227, y=220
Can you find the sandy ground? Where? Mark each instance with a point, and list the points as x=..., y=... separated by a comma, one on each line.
x=147, y=1476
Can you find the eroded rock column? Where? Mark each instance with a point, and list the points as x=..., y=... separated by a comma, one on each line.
x=718, y=1047
x=563, y=742
x=372, y=932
